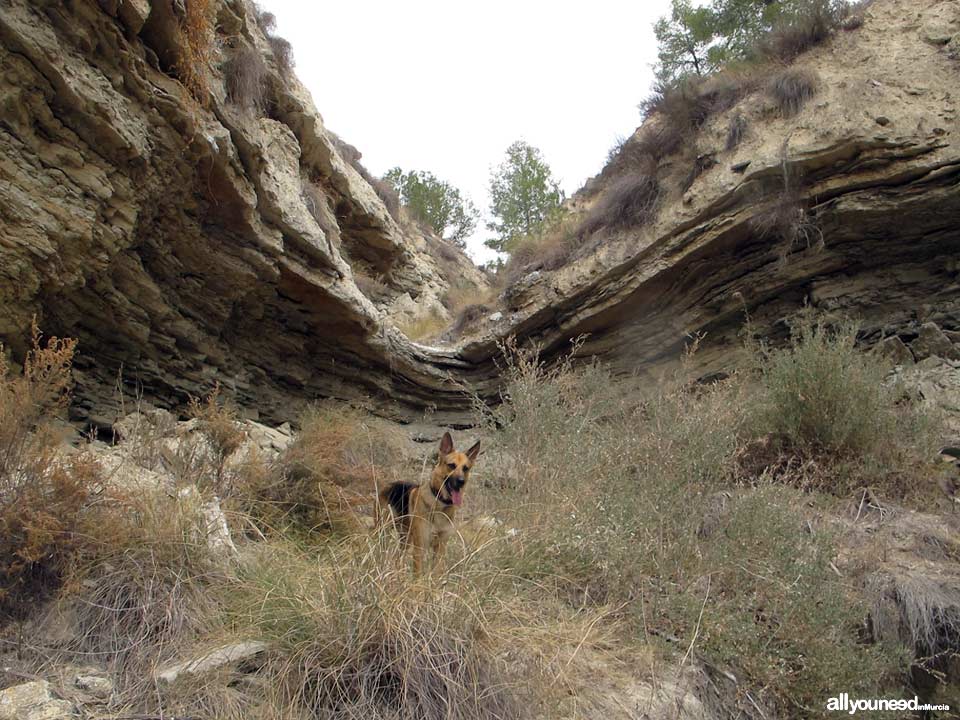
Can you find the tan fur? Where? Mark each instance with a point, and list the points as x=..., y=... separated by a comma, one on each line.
x=431, y=513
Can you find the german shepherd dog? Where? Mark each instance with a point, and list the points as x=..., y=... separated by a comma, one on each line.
x=424, y=514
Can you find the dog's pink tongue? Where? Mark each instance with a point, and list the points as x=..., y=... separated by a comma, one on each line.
x=456, y=497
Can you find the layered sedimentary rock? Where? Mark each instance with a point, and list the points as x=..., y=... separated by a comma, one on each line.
x=873, y=164
x=187, y=238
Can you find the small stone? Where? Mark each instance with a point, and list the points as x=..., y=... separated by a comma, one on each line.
x=883, y=121
x=495, y=317
x=225, y=655
x=96, y=685
x=740, y=168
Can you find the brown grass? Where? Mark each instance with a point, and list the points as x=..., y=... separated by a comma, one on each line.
x=791, y=89
x=629, y=202
x=245, y=74
x=196, y=31
x=219, y=426
x=337, y=461
x=550, y=248
x=43, y=498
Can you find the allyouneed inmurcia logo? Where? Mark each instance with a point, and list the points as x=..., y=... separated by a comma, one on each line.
x=844, y=703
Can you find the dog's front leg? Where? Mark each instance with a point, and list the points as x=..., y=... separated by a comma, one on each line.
x=418, y=544
x=439, y=547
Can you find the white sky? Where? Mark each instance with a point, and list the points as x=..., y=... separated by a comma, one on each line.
x=447, y=86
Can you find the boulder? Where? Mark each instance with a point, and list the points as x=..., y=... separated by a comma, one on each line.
x=33, y=701
x=896, y=351
x=932, y=342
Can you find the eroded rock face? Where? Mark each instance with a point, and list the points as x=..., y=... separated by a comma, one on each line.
x=187, y=240
x=187, y=243
x=875, y=163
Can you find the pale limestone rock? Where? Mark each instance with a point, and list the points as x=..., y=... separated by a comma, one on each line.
x=213, y=660
x=33, y=701
x=98, y=686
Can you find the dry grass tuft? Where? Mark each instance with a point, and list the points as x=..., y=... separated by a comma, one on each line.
x=785, y=218
x=319, y=205
x=245, y=74
x=629, y=202
x=219, y=426
x=551, y=247
x=146, y=592
x=336, y=462
x=917, y=610
x=357, y=638
x=791, y=89
x=800, y=32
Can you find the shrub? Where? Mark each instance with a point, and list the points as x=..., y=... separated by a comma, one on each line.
x=550, y=247
x=384, y=190
x=799, y=31
x=787, y=219
x=791, y=89
x=336, y=460
x=266, y=21
x=628, y=203
x=245, y=74
x=283, y=53
x=43, y=498
x=752, y=590
x=387, y=194
x=221, y=430
x=823, y=394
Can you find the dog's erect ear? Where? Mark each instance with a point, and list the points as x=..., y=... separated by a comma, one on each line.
x=474, y=451
x=446, y=444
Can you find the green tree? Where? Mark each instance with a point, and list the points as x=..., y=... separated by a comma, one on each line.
x=684, y=39
x=698, y=39
x=523, y=193
x=435, y=203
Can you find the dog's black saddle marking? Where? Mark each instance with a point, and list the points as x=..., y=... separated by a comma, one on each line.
x=398, y=496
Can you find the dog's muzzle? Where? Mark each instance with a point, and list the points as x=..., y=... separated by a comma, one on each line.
x=454, y=486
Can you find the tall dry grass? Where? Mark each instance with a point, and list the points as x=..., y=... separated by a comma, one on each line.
x=646, y=505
